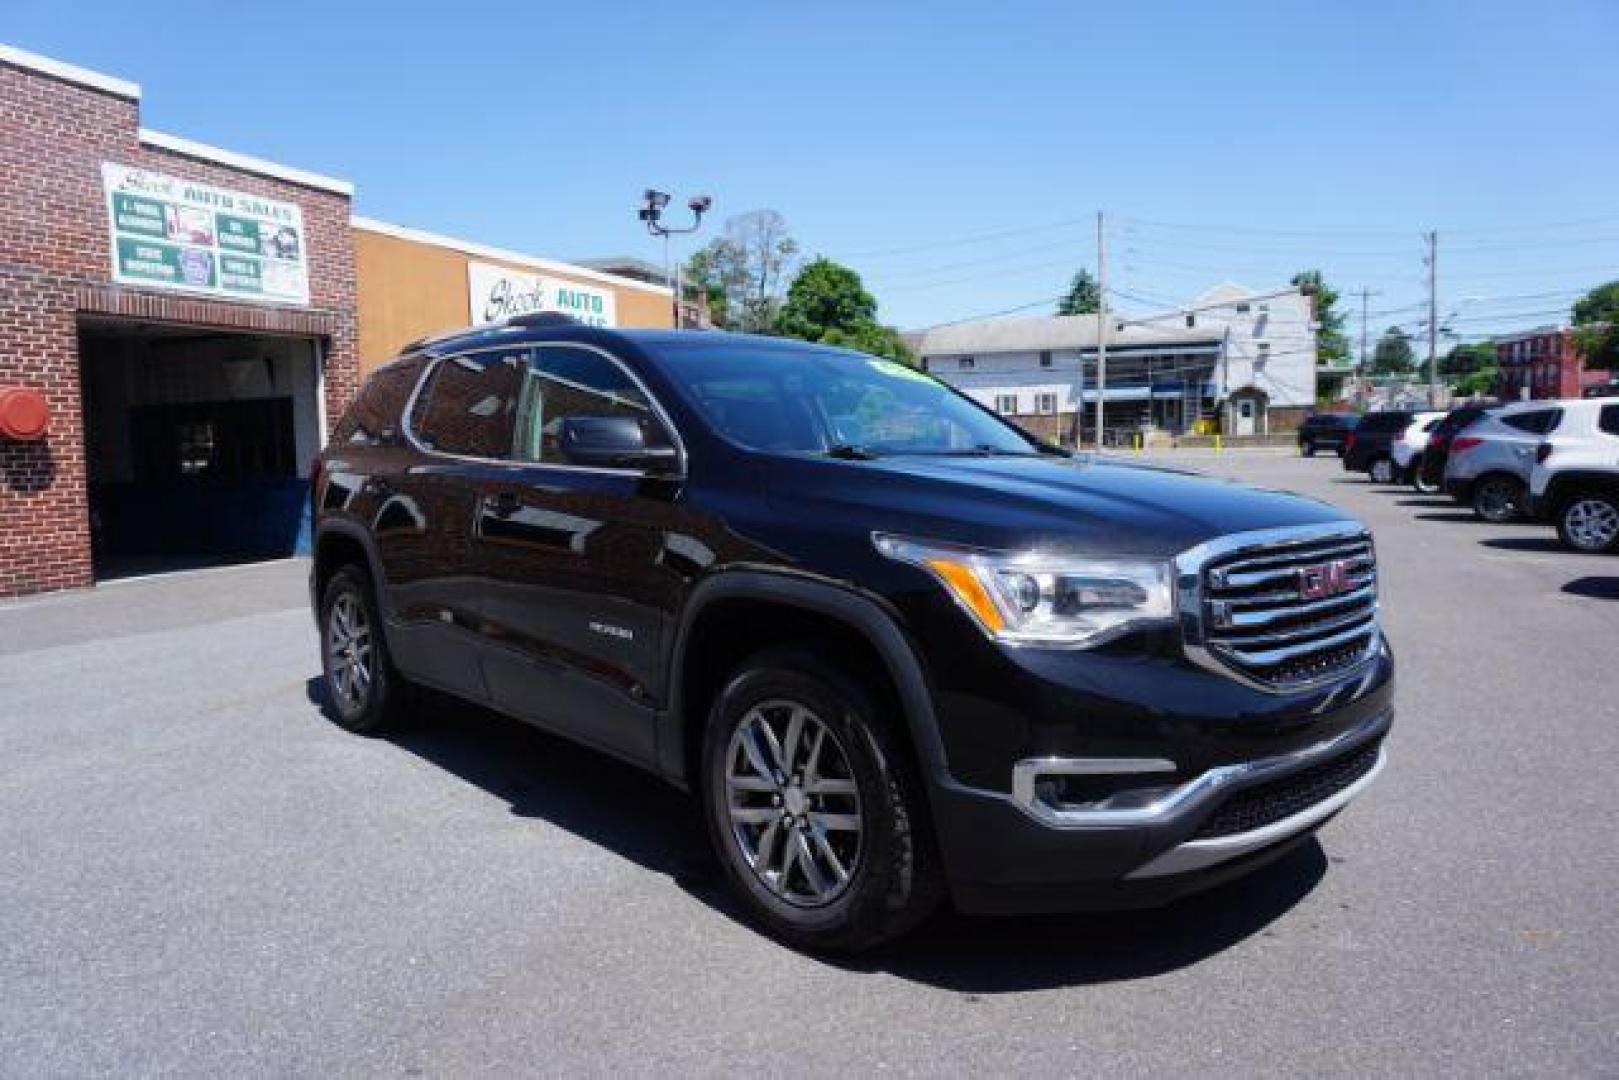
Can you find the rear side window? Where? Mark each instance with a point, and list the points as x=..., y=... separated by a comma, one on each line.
x=1608, y=419
x=373, y=419
x=1390, y=421
x=469, y=404
x=1538, y=422
x=562, y=383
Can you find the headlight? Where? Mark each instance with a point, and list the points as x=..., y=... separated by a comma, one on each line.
x=1058, y=601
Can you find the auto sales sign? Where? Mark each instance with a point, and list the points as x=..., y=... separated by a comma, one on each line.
x=179, y=234
x=496, y=293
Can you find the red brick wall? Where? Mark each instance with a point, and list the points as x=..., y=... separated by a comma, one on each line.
x=54, y=253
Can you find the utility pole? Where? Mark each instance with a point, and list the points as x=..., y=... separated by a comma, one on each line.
x=1101, y=328
x=1365, y=299
x=1433, y=319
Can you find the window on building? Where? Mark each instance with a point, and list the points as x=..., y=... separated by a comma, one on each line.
x=966, y=363
x=1608, y=419
x=1045, y=404
x=1242, y=309
x=1264, y=352
x=570, y=384
x=1045, y=358
x=1006, y=404
x=466, y=408
x=1191, y=320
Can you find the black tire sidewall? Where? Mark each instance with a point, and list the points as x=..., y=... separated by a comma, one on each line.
x=375, y=711
x=860, y=914
x=1308, y=448
x=1484, y=486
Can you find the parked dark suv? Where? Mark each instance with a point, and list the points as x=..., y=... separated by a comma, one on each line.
x=897, y=648
x=1326, y=431
x=1370, y=447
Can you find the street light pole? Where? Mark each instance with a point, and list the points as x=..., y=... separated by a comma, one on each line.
x=651, y=213
x=1433, y=319
x=1101, y=328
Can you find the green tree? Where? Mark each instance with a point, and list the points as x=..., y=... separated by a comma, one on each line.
x=827, y=302
x=1331, y=344
x=1084, y=296
x=743, y=269
x=1471, y=369
x=1596, y=326
x=1393, y=354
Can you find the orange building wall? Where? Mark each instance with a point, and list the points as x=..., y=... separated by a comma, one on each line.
x=407, y=289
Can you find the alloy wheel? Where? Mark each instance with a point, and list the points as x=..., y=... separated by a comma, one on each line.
x=1592, y=524
x=793, y=803
x=348, y=650
x=1382, y=471
x=1497, y=500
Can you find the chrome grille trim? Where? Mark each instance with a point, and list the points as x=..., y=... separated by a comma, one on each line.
x=1243, y=612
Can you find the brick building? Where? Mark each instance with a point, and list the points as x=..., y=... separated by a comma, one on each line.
x=1543, y=363
x=194, y=320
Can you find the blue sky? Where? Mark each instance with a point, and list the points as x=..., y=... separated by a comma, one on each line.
x=954, y=154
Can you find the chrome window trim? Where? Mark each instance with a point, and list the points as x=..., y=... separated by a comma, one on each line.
x=658, y=410
x=1189, y=598
x=1180, y=799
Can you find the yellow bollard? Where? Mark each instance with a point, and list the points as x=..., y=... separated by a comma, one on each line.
x=1217, y=444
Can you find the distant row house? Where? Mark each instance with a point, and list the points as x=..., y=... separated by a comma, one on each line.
x=1234, y=361
x=1542, y=363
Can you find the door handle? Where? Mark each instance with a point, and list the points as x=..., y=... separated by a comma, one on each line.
x=505, y=504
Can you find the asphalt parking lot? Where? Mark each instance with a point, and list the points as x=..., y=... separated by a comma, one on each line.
x=200, y=874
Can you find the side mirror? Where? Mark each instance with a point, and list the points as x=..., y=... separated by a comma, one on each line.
x=612, y=442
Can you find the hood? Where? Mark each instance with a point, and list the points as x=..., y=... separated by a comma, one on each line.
x=1095, y=505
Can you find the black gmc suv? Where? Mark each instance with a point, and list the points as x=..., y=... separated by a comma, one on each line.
x=898, y=649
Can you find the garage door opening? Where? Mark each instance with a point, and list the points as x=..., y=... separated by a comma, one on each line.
x=198, y=444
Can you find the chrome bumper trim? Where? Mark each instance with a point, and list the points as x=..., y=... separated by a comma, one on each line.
x=1177, y=800
x=1197, y=854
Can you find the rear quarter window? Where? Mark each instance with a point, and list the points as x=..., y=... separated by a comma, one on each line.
x=1538, y=422
x=1608, y=419
x=373, y=419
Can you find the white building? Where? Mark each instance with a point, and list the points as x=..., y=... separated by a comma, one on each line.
x=1234, y=360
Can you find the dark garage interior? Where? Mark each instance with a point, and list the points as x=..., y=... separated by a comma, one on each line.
x=198, y=444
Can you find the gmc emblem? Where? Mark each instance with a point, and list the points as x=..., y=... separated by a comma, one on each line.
x=1327, y=579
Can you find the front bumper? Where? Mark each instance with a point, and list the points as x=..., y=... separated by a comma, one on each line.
x=1021, y=853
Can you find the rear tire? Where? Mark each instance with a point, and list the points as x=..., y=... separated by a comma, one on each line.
x=1498, y=499
x=1382, y=470
x=1308, y=449
x=1418, y=484
x=364, y=691
x=814, y=808
x=1588, y=522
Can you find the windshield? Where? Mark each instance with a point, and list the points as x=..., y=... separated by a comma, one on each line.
x=814, y=400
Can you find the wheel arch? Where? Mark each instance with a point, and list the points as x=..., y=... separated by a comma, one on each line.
x=708, y=643
x=1565, y=485
x=337, y=544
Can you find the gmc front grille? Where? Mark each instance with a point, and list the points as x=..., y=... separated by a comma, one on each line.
x=1290, y=609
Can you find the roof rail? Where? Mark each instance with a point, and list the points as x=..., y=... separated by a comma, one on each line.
x=542, y=318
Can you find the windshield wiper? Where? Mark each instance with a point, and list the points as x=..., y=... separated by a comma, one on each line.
x=850, y=452
x=981, y=450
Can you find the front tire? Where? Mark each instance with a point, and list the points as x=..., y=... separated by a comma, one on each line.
x=1498, y=499
x=1588, y=522
x=364, y=692
x=814, y=809
x=1308, y=449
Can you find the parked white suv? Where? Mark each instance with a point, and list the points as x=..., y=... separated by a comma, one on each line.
x=1575, y=480
x=1489, y=462
x=1407, y=450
